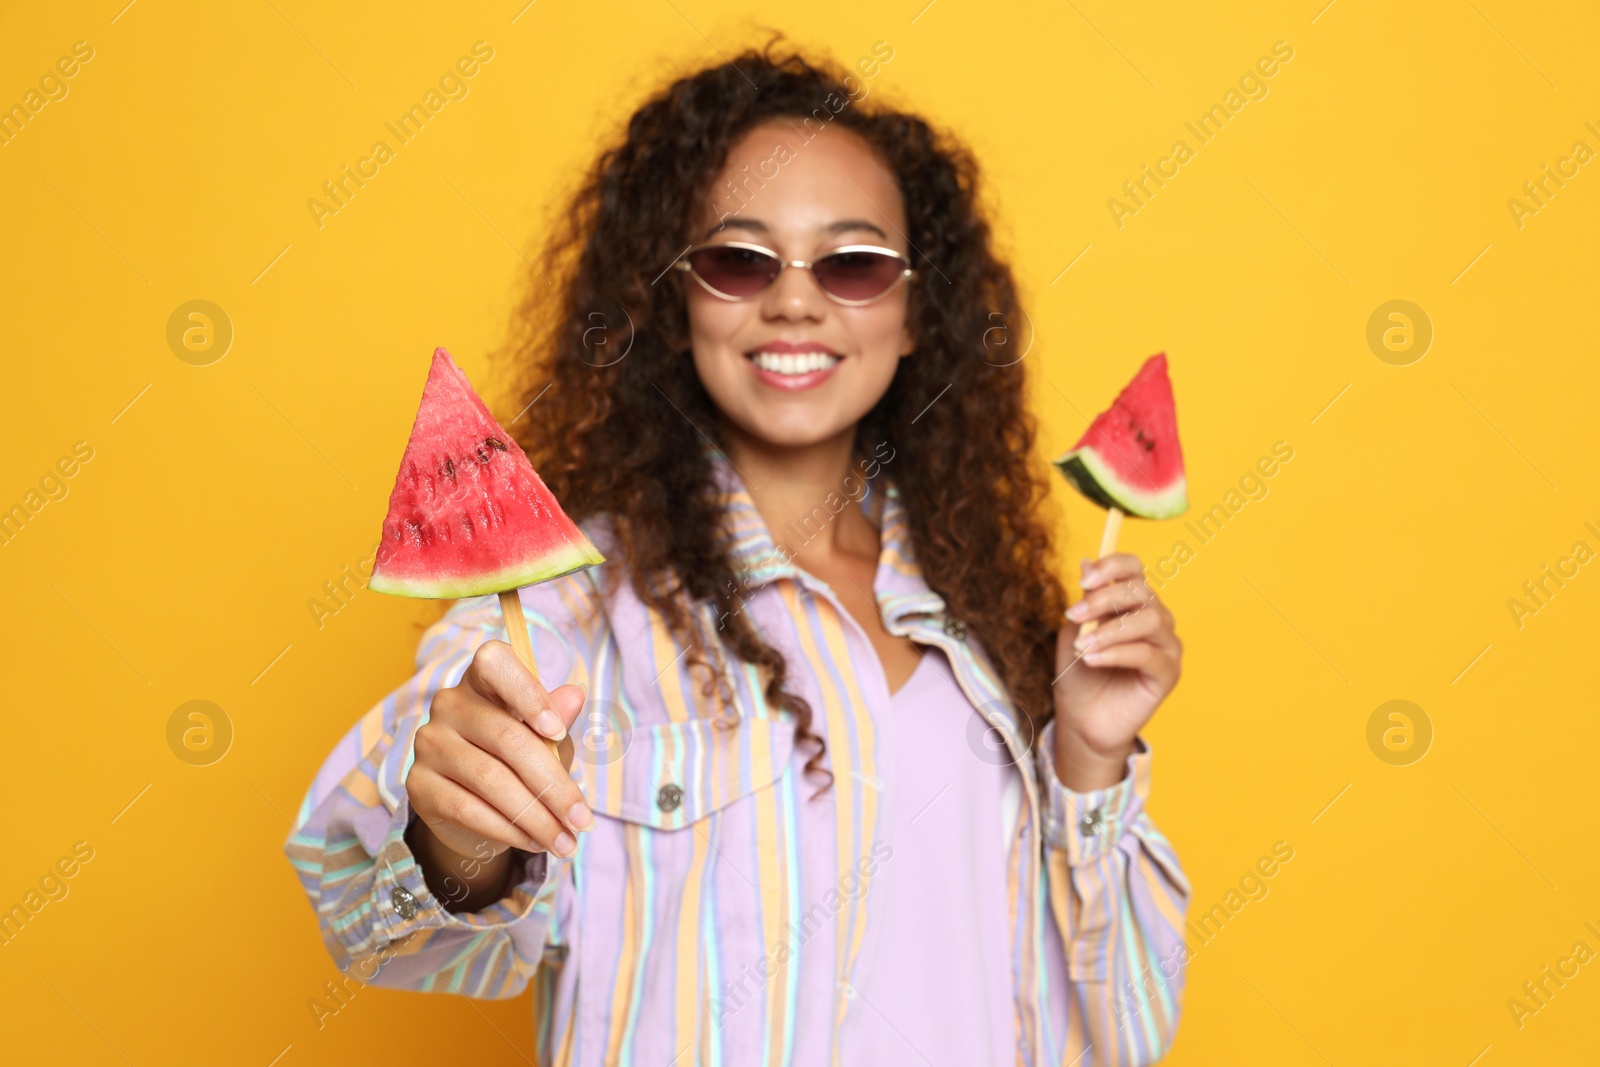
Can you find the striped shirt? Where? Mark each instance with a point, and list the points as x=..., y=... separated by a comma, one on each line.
x=743, y=940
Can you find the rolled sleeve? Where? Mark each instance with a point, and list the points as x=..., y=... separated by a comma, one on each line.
x=348, y=845
x=405, y=904
x=1119, y=898
x=1087, y=824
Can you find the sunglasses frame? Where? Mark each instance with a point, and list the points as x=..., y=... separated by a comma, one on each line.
x=906, y=274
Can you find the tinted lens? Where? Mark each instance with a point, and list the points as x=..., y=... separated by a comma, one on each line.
x=857, y=275
x=735, y=271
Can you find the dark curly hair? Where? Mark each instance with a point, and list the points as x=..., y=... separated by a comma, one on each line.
x=606, y=444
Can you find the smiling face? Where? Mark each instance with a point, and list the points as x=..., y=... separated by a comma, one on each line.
x=790, y=367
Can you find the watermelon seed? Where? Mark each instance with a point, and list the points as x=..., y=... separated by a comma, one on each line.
x=483, y=457
x=495, y=443
x=449, y=469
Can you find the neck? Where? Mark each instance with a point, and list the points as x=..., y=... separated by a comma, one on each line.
x=809, y=496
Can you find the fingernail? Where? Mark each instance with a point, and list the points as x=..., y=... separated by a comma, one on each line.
x=1084, y=642
x=547, y=723
x=1078, y=612
x=1091, y=577
x=565, y=844
x=1091, y=657
x=580, y=816
x=583, y=686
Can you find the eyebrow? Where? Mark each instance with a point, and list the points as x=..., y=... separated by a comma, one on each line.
x=833, y=228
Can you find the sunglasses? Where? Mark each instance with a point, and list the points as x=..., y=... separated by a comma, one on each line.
x=855, y=275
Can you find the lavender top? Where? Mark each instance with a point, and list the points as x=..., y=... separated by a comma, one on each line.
x=937, y=981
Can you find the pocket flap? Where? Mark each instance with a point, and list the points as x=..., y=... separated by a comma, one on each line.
x=670, y=774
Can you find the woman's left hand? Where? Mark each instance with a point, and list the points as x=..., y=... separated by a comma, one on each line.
x=1111, y=681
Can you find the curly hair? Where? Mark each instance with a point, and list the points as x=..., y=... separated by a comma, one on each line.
x=606, y=444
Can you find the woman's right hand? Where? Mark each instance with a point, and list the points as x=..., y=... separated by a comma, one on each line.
x=483, y=779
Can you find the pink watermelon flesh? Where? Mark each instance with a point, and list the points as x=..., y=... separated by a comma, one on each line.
x=468, y=514
x=1129, y=458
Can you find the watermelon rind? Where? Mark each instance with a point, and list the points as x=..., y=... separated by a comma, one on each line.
x=1095, y=479
x=1130, y=457
x=468, y=514
x=547, y=566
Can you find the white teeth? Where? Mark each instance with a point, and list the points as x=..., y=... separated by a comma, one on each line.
x=794, y=362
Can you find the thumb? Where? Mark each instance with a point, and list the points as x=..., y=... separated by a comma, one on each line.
x=568, y=701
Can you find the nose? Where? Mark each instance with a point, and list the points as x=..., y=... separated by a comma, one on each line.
x=795, y=295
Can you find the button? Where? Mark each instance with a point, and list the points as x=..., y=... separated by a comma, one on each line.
x=1091, y=823
x=403, y=902
x=555, y=955
x=955, y=628
x=668, y=797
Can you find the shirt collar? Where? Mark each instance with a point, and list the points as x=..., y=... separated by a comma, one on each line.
x=898, y=586
x=908, y=607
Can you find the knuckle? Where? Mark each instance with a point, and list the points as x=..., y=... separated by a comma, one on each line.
x=556, y=790
x=419, y=791
x=564, y=794
x=489, y=770
x=534, y=823
x=443, y=702
x=513, y=741
x=490, y=654
x=511, y=735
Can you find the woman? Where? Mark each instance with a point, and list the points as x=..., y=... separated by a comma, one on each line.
x=845, y=789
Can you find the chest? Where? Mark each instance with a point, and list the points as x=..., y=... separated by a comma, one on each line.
x=897, y=656
x=722, y=892
x=662, y=756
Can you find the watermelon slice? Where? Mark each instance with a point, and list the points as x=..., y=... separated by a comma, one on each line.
x=468, y=514
x=1129, y=458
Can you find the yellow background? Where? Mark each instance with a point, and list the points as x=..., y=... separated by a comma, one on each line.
x=1379, y=566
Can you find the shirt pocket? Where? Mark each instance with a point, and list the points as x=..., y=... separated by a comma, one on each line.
x=669, y=876
x=668, y=775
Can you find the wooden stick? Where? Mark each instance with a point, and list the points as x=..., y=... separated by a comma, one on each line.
x=517, y=636
x=1108, y=545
